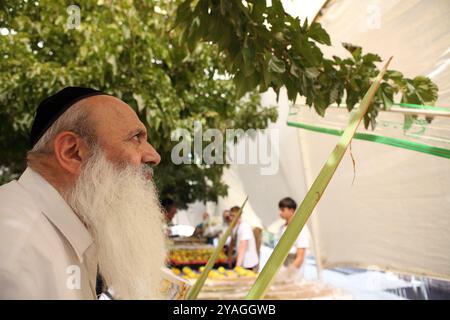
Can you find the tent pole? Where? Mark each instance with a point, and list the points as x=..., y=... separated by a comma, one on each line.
x=319, y=11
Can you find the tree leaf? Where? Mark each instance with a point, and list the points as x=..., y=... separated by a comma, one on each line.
x=354, y=50
x=312, y=72
x=277, y=65
x=318, y=33
x=140, y=101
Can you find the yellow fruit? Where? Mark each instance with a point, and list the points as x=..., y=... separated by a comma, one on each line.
x=176, y=271
x=230, y=274
x=186, y=269
x=240, y=271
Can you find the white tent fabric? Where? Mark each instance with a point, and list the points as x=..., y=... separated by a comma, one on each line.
x=395, y=216
x=236, y=195
x=415, y=32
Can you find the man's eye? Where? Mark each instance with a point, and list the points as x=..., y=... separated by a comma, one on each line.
x=136, y=137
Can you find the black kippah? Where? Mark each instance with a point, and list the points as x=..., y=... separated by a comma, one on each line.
x=54, y=106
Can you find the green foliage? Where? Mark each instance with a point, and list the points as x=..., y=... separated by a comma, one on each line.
x=157, y=56
x=265, y=47
x=130, y=50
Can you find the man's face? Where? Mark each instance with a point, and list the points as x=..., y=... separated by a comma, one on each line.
x=120, y=133
x=226, y=216
x=286, y=213
x=231, y=216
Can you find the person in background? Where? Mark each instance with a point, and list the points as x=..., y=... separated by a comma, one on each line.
x=170, y=210
x=257, y=232
x=293, y=268
x=226, y=219
x=201, y=230
x=243, y=237
x=225, y=223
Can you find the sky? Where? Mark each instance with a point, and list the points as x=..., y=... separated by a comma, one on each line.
x=302, y=8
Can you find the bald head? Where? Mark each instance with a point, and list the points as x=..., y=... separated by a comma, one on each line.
x=107, y=111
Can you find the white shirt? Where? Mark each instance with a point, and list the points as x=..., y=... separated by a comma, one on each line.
x=245, y=232
x=45, y=250
x=302, y=242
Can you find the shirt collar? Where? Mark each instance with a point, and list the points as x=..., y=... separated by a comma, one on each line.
x=57, y=211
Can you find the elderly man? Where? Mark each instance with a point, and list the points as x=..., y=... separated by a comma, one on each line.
x=85, y=204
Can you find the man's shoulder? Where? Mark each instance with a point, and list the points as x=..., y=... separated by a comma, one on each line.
x=245, y=226
x=14, y=199
x=245, y=229
x=19, y=216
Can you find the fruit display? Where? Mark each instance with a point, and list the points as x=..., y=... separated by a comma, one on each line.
x=194, y=256
x=220, y=273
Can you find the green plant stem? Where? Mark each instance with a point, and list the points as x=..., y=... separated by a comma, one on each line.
x=195, y=290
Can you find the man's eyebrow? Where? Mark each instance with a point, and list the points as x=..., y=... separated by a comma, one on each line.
x=139, y=131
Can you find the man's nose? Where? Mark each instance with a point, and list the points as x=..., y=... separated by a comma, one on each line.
x=150, y=155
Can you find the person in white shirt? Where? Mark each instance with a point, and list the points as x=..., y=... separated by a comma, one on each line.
x=293, y=267
x=85, y=203
x=246, y=253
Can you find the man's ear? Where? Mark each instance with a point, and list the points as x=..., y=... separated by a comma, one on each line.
x=70, y=151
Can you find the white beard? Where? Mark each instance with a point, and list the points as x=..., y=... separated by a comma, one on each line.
x=121, y=209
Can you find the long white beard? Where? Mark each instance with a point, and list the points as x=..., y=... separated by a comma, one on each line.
x=121, y=208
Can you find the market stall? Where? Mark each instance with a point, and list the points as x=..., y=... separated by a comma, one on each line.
x=193, y=255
